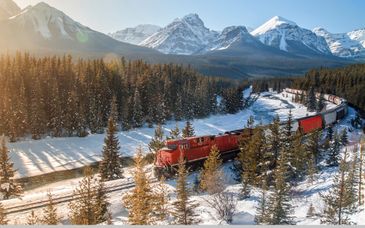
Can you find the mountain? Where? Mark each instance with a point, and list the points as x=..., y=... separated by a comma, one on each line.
x=184, y=36
x=42, y=28
x=287, y=36
x=136, y=34
x=341, y=44
x=8, y=8
x=358, y=35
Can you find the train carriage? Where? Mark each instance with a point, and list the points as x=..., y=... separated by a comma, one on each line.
x=330, y=117
x=310, y=124
x=340, y=113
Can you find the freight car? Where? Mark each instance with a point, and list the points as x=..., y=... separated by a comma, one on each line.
x=196, y=149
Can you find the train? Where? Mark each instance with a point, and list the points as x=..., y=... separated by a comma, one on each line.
x=195, y=150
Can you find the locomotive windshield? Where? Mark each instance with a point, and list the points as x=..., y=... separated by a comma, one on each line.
x=172, y=146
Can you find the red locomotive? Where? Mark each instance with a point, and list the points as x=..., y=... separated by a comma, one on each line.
x=196, y=149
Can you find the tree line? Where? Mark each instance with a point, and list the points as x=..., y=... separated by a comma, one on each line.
x=59, y=96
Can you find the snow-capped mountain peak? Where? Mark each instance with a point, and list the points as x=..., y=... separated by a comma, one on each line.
x=230, y=36
x=358, y=35
x=136, y=34
x=49, y=22
x=185, y=36
x=287, y=36
x=341, y=44
x=8, y=8
x=273, y=23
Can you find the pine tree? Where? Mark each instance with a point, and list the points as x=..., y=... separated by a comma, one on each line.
x=313, y=145
x=262, y=210
x=85, y=209
x=32, y=219
x=161, y=201
x=338, y=200
x=312, y=169
x=274, y=142
x=344, y=137
x=137, y=110
x=188, y=130
x=158, y=140
x=280, y=208
x=3, y=220
x=298, y=152
x=184, y=208
x=311, y=211
x=334, y=151
x=8, y=186
x=50, y=216
x=321, y=103
x=210, y=178
x=175, y=133
x=330, y=132
x=101, y=202
x=311, y=100
x=111, y=164
x=139, y=201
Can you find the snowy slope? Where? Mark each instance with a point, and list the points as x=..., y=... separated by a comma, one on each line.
x=341, y=44
x=229, y=36
x=287, y=36
x=49, y=22
x=8, y=8
x=136, y=34
x=358, y=35
x=54, y=154
x=184, y=36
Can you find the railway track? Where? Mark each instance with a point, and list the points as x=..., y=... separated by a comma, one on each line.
x=63, y=199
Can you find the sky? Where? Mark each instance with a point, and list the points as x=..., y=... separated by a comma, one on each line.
x=112, y=15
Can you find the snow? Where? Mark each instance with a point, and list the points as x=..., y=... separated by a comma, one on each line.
x=271, y=24
x=358, y=35
x=35, y=157
x=278, y=31
x=342, y=44
x=136, y=34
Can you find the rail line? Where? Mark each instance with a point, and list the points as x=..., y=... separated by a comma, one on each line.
x=63, y=199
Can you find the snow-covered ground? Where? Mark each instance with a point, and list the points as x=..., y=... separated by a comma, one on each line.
x=264, y=109
x=35, y=157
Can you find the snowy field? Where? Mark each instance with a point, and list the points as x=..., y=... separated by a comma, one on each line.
x=47, y=155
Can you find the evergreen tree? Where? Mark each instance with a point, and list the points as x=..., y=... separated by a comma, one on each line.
x=274, y=142
x=344, y=137
x=50, y=216
x=85, y=209
x=334, y=151
x=101, y=202
x=321, y=103
x=111, y=164
x=338, y=201
x=32, y=219
x=298, y=152
x=184, y=208
x=161, y=201
x=311, y=211
x=280, y=208
x=175, y=133
x=3, y=220
x=210, y=178
x=311, y=100
x=330, y=133
x=188, y=130
x=262, y=210
x=137, y=110
x=157, y=141
x=312, y=169
x=8, y=186
x=313, y=145
x=139, y=201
